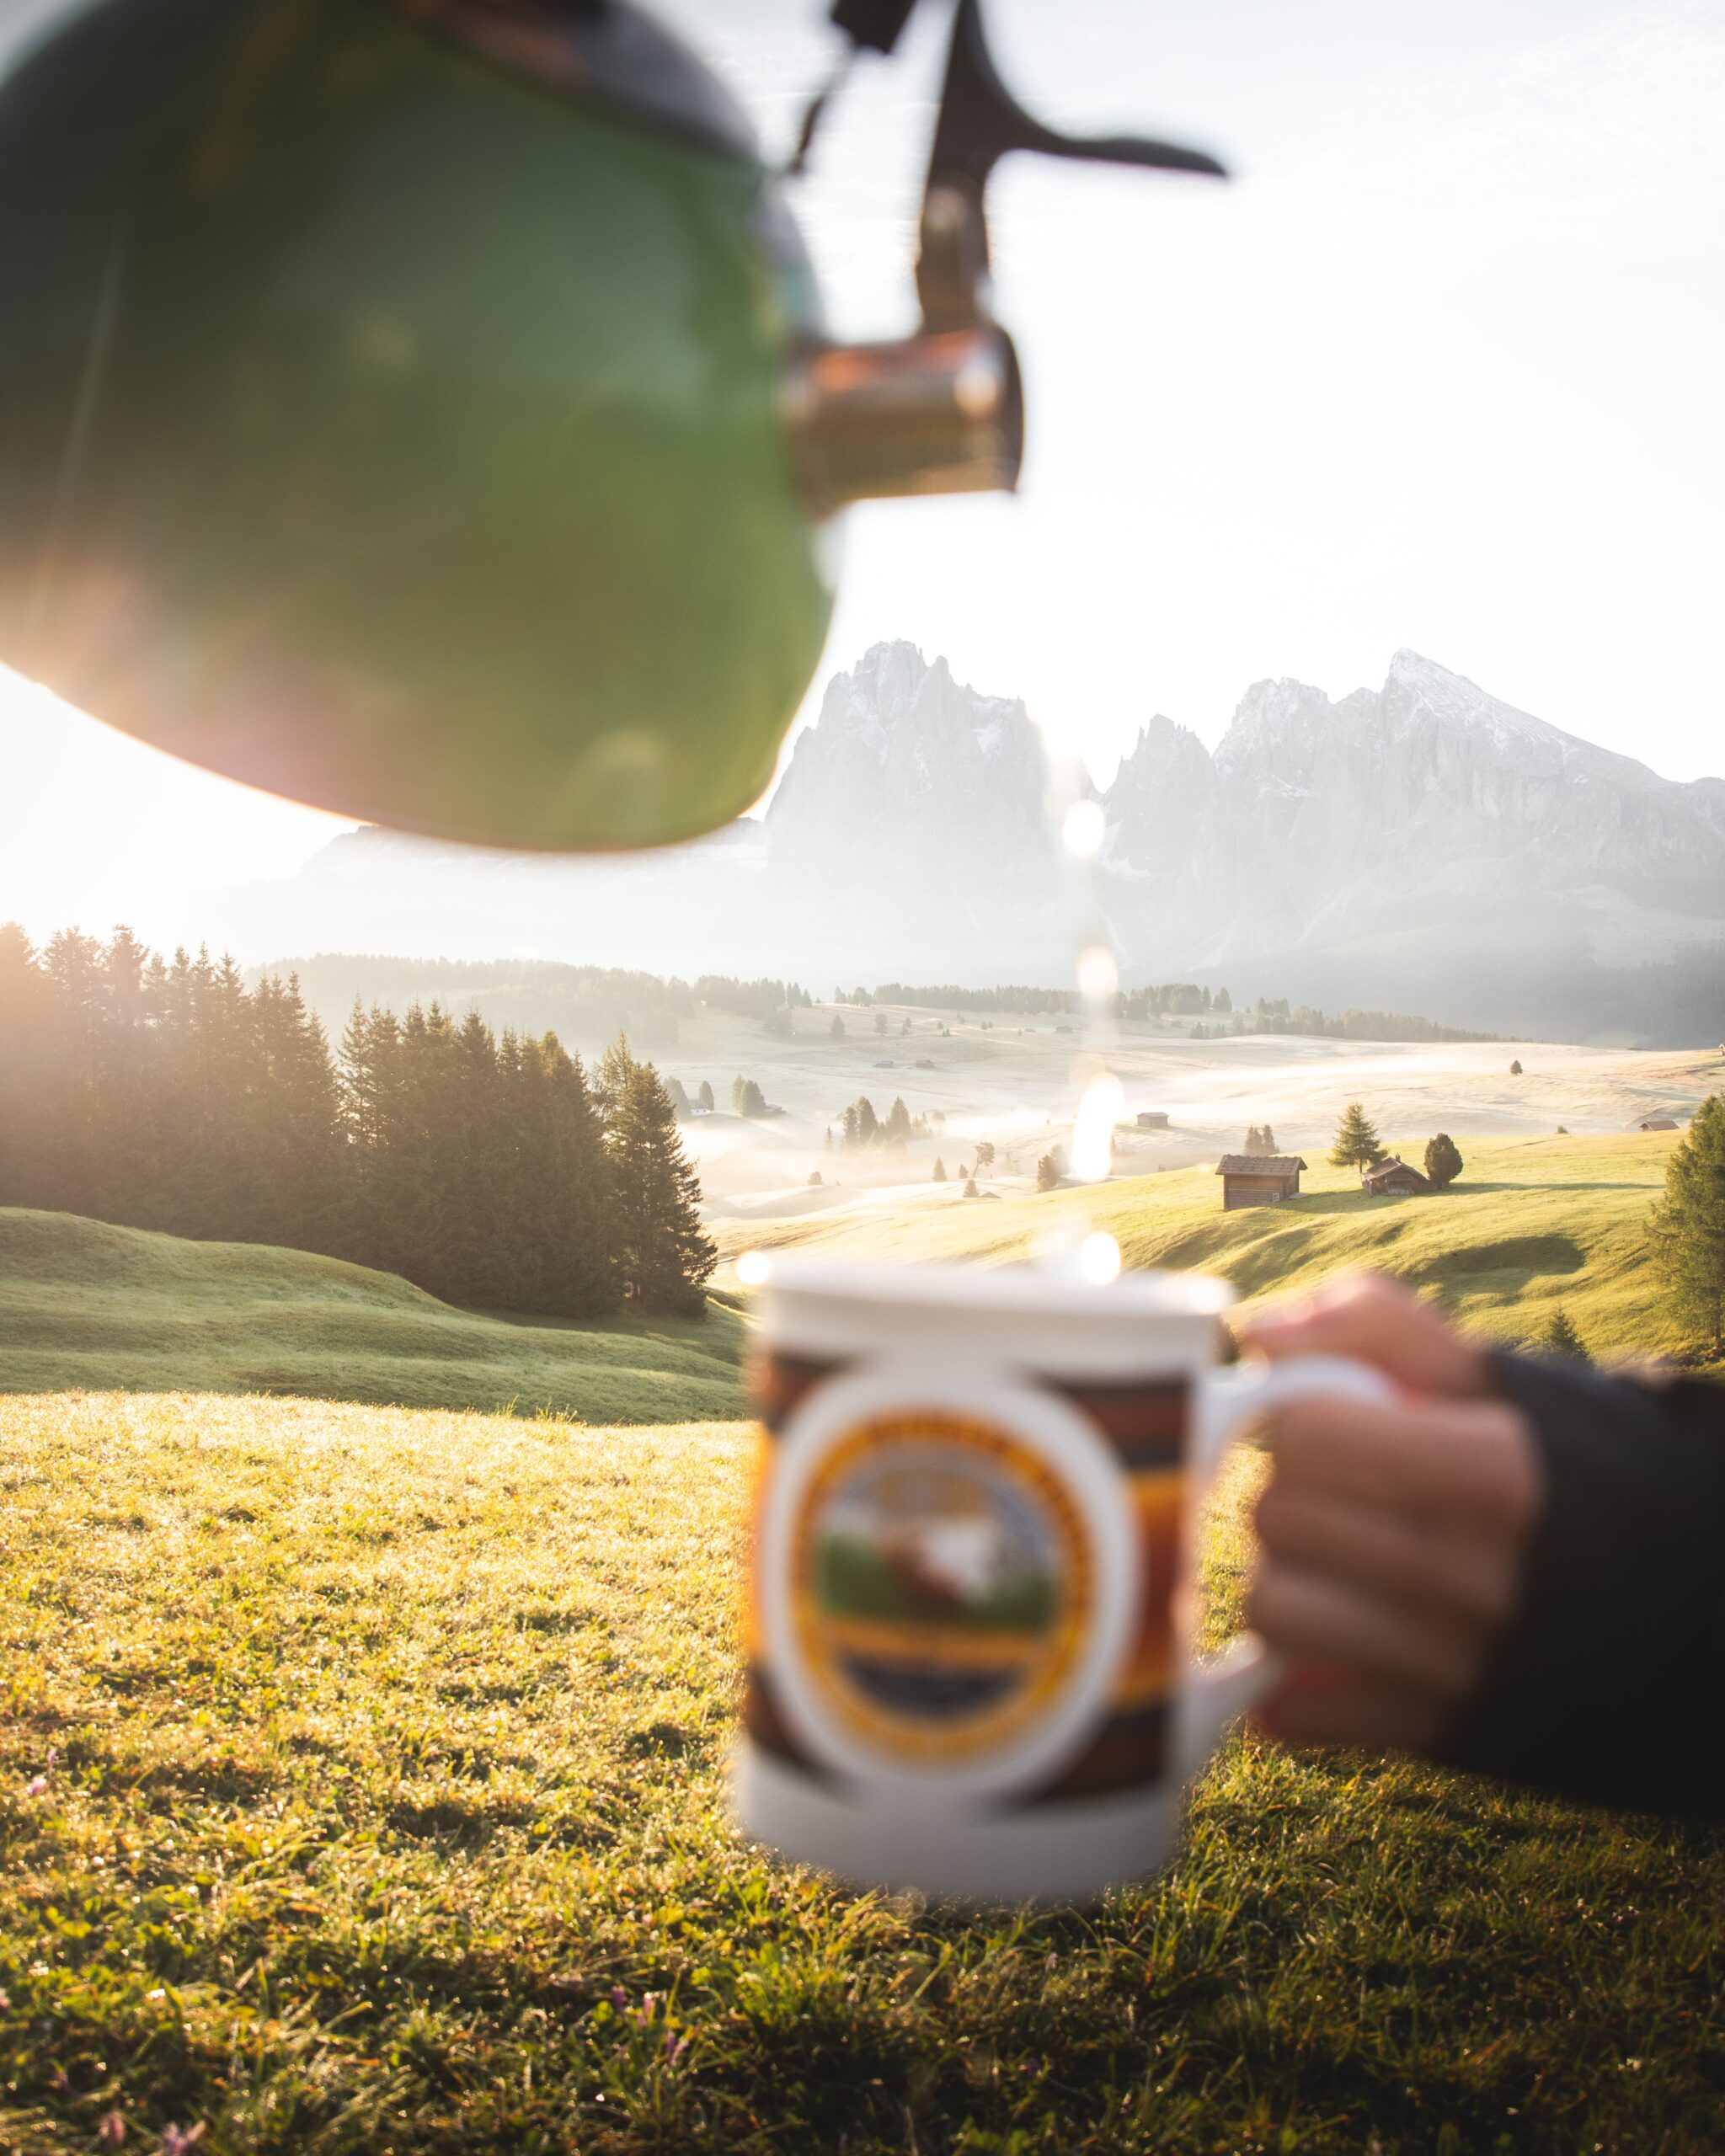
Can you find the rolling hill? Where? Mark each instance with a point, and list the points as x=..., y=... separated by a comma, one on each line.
x=89, y=1307
x=1535, y=1225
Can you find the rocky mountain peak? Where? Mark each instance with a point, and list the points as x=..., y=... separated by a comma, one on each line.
x=1168, y=780
x=1422, y=846
x=900, y=748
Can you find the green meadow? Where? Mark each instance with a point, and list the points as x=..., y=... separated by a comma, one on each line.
x=361, y=1789
x=1533, y=1224
x=86, y=1305
x=369, y=1670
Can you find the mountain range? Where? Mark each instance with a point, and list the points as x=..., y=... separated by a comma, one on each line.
x=1421, y=846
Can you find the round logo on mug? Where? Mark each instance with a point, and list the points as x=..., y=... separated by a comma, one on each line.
x=943, y=1584
x=949, y=1575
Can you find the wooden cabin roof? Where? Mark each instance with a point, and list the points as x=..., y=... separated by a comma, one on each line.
x=1386, y=1170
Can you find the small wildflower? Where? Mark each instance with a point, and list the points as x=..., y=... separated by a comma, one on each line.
x=176, y=2141
x=681, y=2045
x=111, y=2132
x=39, y=1786
x=1052, y=1962
x=619, y=1998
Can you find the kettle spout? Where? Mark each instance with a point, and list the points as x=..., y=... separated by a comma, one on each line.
x=940, y=412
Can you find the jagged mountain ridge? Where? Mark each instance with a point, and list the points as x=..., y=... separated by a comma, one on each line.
x=1429, y=811
x=918, y=805
x=1419, y=847
x=901, y=755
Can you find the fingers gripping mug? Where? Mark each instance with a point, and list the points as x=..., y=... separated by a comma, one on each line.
x=968, y=1667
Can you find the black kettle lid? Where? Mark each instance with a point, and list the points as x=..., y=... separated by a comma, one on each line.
x=609, y=52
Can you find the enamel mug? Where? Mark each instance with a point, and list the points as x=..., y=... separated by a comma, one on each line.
x=968, y=1669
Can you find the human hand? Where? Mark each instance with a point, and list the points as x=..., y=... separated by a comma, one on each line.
x=1391, y=1538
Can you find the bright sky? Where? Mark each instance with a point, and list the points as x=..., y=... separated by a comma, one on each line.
x=1440, y=367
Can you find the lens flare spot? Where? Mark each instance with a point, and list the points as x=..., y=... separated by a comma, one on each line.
x=753, y=1268
x=1099, y=1259
x=1083, y=829
x=1098, y=976
x=1094, y=1130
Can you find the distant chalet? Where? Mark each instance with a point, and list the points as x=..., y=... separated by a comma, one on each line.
x=1259, y=1178
x=1394, y=1178
x=1152, y=1118
x=1658, y=1123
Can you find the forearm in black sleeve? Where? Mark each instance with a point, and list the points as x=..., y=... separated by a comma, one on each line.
x=1609, y=1683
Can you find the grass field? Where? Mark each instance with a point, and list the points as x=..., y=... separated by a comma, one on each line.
x=361, y=1753
x=360, y=1790
x=1535, y=1224
x=85, y=1305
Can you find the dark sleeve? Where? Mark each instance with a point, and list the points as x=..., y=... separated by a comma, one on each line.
x=1609, y=1683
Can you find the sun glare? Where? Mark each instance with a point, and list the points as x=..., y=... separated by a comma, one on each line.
x=99, y=829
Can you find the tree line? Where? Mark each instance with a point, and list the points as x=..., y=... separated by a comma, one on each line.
x=491, y=1170
x=529, y=996
x=1275, y=1015
x=1173, y=999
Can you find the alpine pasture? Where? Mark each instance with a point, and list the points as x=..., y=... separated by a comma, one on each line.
x=370, y=1669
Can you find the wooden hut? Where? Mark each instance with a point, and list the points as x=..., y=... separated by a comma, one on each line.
x=1394, y=1178
x=1259, y=1178
x=1152, y=1118
x=1658, y=1123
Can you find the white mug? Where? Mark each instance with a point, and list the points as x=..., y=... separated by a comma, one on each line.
x=968, y=1669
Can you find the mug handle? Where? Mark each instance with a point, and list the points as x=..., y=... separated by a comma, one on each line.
x=1218, y=1692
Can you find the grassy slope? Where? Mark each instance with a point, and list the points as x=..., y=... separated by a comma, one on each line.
x=359, y=1790
x=1534, y=1223
x=85, y=1305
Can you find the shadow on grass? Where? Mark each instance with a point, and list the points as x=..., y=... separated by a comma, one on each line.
x=1520, y=1258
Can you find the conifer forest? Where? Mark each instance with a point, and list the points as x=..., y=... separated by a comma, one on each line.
x=492, y=1170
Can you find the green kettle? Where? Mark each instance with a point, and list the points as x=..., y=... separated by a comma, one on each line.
x=420, y=408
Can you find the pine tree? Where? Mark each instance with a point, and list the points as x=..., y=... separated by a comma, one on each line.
x=1560, y=1337
x=679, y=1096
x=970, y=1189
x=1048, y=1174
x=940, y=1169
x=1515, y=1068
x=1688, y=1227
x=1443, y=1160
x=664, y=1257
x=1356, y=1145
x=1269, y=1139
x=867, y=1123
x=705, y=1095
x=896, y=1129
x=24, y=1064
x=1254, y=1140
x=837, y=1027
